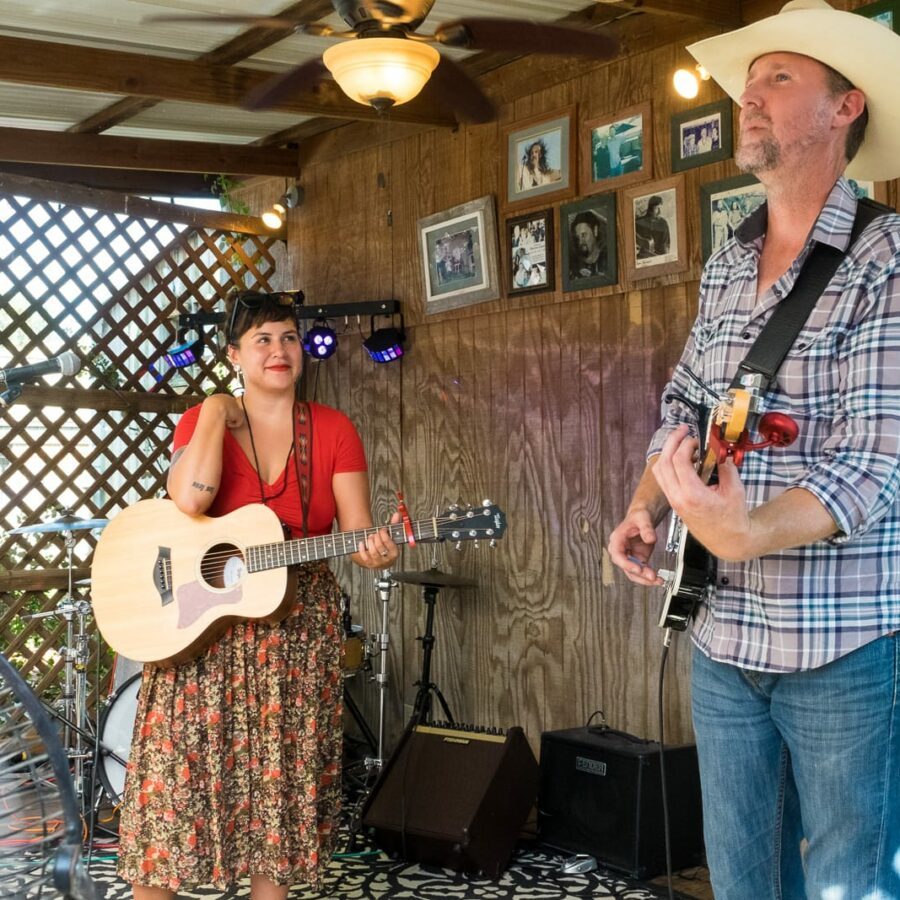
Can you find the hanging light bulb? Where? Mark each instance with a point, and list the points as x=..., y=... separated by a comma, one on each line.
x=320, y=341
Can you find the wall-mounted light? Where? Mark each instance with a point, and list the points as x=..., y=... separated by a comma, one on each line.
x=385, y=345
x=274, y=216
x=381, y=71
x=321, y=340
x=687, y=83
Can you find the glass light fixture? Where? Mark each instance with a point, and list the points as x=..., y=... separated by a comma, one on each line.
x=381, y=71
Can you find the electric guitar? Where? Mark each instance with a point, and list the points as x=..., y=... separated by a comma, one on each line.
x=165, y=585
x=688, y=583
x=726, y=436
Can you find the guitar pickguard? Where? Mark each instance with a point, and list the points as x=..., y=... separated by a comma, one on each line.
x=194, y=599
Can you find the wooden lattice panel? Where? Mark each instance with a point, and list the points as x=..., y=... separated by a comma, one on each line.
x=110, y=287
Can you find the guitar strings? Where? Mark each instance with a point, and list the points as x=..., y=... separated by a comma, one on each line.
x=209, y=564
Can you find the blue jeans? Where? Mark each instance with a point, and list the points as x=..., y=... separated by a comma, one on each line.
x=800, y=775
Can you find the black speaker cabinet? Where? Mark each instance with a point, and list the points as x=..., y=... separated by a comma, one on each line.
x=454, y=797
x=600, y=793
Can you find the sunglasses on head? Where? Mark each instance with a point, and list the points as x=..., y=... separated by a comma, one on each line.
x=254, y=300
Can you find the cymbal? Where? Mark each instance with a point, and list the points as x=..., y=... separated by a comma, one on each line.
x=434, y=578
x=63, y=523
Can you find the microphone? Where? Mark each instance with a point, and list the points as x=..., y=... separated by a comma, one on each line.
x=67, y=363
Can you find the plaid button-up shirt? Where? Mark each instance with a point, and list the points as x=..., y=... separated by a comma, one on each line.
x=802, y=608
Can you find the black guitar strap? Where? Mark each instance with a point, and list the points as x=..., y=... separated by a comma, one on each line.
x=762, y=362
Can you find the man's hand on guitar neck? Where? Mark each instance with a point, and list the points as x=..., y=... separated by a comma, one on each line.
x=717, y=515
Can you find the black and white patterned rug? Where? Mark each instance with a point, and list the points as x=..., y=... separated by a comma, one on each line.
x=533, y=874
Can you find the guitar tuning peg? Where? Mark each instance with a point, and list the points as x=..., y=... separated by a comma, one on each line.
x=493, y=543
x=475, y=544
x=487, y=503
x=458, y=546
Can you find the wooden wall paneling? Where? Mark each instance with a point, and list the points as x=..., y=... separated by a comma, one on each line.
x=536, y=628
x=581, y=452
x=482, y=350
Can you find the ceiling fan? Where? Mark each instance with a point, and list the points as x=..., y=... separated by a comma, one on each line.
x=383, y=61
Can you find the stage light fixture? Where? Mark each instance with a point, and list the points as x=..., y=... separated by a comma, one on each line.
x=385, y=345
x=274, y=216
x=321, y=340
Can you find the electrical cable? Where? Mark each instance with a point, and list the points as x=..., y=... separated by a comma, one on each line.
x=662, y=762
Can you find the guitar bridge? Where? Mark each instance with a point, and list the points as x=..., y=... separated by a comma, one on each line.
x=162, y=575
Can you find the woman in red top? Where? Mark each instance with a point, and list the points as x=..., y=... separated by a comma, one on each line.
x=235, y=765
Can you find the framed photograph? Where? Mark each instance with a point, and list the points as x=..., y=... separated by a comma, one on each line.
x=529, y=244
x=540, y=159
x=656, y=242
x=701, y=135
x=459, y=255
x=885, y=12
x=588, y=239
x=617, y=149
x=723, y=206
x=874, y=190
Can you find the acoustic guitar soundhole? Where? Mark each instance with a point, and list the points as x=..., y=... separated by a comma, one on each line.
x=222, y=566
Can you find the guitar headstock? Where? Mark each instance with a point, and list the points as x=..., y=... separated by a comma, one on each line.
x=471, y=523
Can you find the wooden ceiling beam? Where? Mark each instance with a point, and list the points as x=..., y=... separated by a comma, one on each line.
x=726, y=13
x=232, y=51
x=141, y=75
x=135, y=181
x=54, y=148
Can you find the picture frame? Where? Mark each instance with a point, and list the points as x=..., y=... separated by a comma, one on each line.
x=589, y=251
x=655, y=229
x=701, y=135
x=629, y=158
x=530, y=253
x=724, y=204
x=458, y=252
x=874, y=190
x=539, y=163
x=885, y=12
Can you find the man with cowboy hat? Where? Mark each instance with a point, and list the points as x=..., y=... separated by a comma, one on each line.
x=796, y=658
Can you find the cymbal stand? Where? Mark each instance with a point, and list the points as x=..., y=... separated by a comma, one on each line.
x=73, y=717
x=384, y=584
x=422, y=704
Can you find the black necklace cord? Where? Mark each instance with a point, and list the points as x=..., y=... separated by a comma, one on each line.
x=262, y=492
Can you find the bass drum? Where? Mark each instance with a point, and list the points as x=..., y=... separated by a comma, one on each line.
x=116, y=729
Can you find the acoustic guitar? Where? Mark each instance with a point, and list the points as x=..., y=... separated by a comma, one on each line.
x=165, y=585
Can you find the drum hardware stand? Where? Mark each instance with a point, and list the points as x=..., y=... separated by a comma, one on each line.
x=422, y=705
x=372, y=766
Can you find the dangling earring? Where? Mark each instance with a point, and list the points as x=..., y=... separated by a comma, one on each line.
x=239, y=390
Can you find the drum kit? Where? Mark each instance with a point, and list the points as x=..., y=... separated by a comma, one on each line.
x=101, y=748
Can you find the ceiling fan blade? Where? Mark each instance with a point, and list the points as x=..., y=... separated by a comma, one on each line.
x=259, y=21
x=452, y=88
x=518, y=36
x=301, y=78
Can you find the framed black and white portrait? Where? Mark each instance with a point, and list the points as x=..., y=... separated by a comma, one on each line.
x=588, y=243
x=655, y=224
x=723, y=206
x=617, y=149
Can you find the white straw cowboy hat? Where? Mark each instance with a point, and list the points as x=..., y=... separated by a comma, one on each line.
x=862, y=50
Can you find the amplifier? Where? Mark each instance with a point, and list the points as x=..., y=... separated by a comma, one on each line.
x=600, y=794
x=454, y=796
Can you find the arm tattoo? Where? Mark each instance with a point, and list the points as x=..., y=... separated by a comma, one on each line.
x=203, y=487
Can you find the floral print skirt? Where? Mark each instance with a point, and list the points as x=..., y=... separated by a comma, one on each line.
x=235, y=761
